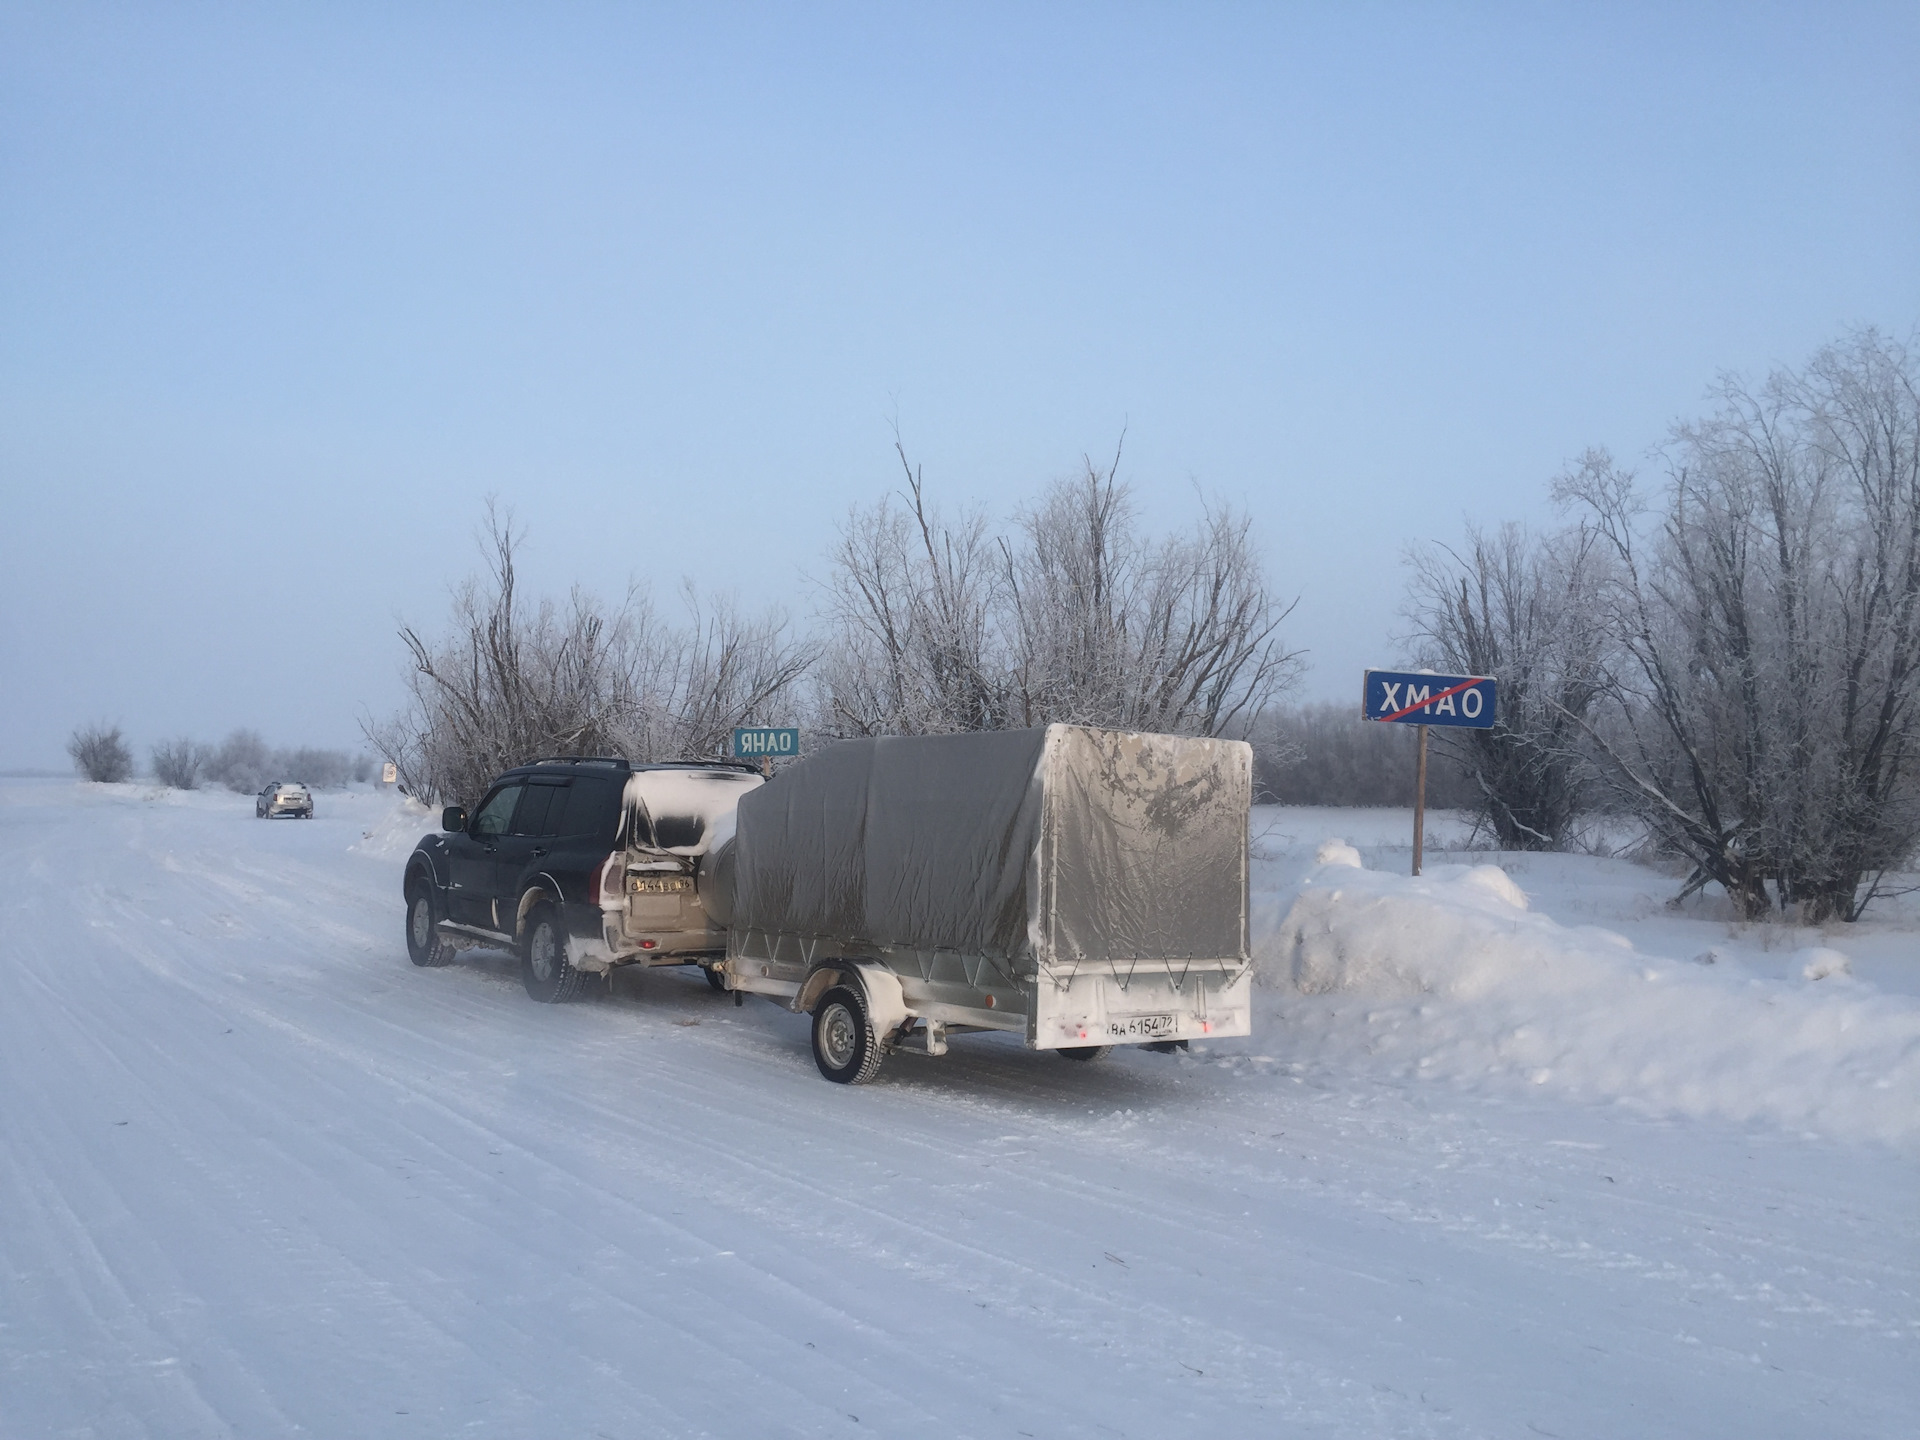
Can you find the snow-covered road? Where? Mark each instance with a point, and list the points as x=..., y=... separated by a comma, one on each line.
x=261, y=1177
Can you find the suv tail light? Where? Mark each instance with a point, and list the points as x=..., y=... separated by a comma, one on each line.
x=612, y=873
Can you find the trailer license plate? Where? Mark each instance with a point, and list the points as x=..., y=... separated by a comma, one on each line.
x=1140, y=1027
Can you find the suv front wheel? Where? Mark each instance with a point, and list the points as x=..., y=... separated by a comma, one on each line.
x=424, y=945
x=544, y=968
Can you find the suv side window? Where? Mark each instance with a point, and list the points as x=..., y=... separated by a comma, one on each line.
x=494, y=815
x=557, y=812
x=593, y=808
x=535, y=808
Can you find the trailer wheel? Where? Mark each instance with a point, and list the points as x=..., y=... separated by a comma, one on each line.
x=424, y=945
x=544, y=968
x=1084, y=1052
x=844, y=1045
x=714, y=979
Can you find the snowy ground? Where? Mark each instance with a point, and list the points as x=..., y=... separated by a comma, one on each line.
x=1498, y=1161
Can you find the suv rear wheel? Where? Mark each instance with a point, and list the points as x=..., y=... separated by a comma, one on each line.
x=544, y=968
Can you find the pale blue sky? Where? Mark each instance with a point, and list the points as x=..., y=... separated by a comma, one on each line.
x=286, y=291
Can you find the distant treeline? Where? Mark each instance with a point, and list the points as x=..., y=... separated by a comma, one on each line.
x=1327, y=755
x=242, y=762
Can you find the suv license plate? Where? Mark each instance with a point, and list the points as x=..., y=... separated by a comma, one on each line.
x=1141, y=1027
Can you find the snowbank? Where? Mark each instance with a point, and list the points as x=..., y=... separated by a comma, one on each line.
x=1450, y=977
x=397, y=829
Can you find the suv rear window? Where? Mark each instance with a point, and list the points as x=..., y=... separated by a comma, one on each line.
x=593, y=808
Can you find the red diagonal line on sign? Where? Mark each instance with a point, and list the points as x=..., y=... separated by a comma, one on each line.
x=1433, y=700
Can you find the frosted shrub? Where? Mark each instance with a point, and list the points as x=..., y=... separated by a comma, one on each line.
x=100, y=754
x=177, y=763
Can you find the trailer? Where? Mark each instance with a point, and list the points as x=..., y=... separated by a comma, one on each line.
x=1082, y=888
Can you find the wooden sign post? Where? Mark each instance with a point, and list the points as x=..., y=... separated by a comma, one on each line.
x=1421, y=698
x=1420, y=799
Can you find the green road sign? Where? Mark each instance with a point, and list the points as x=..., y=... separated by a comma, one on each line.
x=765, y=742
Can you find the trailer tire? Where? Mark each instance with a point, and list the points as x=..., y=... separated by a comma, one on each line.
x=715, y=981
x=1084, y=1052
x=844, y=1045
x=544, y=968
x=424, y=945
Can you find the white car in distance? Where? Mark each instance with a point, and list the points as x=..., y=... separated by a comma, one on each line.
x=283, y=797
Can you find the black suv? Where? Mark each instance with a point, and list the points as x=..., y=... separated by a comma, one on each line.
x=578, y=865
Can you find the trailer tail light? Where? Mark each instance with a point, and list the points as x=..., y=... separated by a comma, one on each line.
x=648, y=944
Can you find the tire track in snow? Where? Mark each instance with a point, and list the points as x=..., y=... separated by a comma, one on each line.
x=346, y=1124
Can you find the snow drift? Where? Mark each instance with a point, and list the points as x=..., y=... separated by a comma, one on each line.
x=1450, y=977
x=396, y=828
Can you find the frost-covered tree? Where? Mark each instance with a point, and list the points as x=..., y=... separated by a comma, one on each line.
x=914, y=607
x=1764, y=604
x=241, y=762
x=1524, y=609
x=507, y=682
x=100, y=754
x=1177, y=635
x=319, y=769
x=1069, y=615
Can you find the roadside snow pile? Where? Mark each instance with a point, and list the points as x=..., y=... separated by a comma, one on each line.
x=1450, y=977
x=1338, y=852
x=1817, y=962
x=395, y=831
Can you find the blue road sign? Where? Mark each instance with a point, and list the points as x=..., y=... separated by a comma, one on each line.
x=1407, y=698
x=758, y=742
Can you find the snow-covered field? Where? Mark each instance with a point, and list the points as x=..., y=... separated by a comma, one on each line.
x=1504, y=1157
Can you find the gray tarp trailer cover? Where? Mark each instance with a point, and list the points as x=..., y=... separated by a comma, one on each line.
x=1086, y=887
